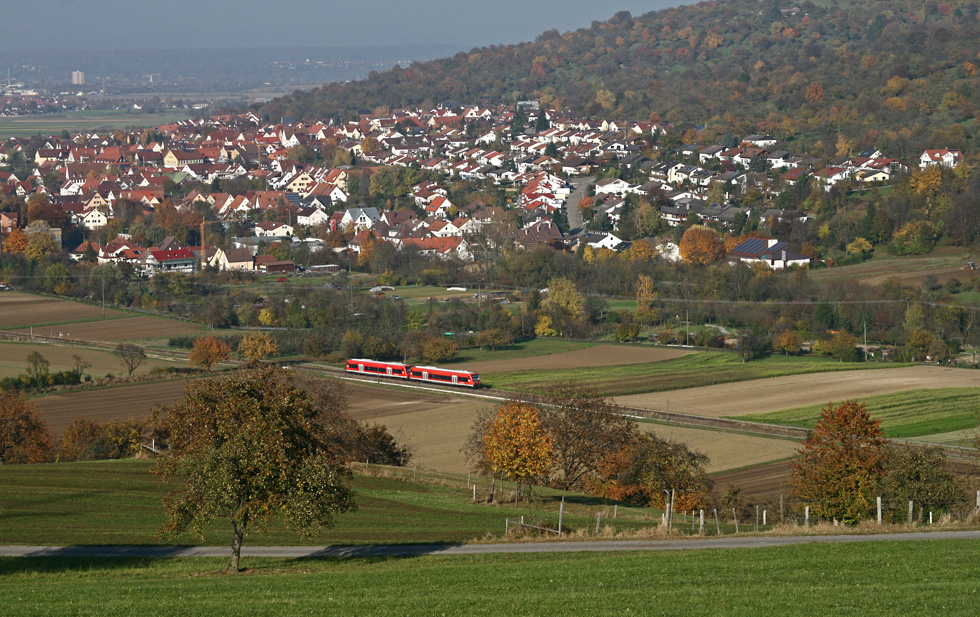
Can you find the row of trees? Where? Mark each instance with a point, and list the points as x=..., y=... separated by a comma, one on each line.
x=570, y=438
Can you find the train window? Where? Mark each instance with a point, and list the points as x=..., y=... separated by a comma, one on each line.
x=440, y=377
x=476, y=378
x=416, y=373
x=464, y=380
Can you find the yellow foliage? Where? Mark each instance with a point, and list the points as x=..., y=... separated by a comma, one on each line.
x=516, y=443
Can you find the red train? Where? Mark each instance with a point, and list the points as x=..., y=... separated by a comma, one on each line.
x=431, y=374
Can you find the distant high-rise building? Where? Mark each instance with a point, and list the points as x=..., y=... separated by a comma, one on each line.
x=77, y=78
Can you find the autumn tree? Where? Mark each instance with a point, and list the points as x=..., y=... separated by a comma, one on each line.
x=16, y=241
x=256, y=346
x=646, y=310
x=40, y=244
x=208, y=351
x=838, y=468
x=585, y=427
x=701, y=245
x=921, y=474
x=247, y=448
x=563, y=304
x=132, y=356
x=843, y=346
x=788, y=342
x=516, y=444
x=647, y=466
x=24, y=437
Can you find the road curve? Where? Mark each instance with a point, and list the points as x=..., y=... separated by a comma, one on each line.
x=414, y=550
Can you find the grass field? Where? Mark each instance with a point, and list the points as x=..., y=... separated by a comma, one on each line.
x=87, y=121
x=526, y=349
x=854, y=579
x=911, y=413
x=689, y=371
x=13, y=359
x=118, y=502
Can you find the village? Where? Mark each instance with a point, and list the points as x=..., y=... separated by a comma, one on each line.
x=545, y=175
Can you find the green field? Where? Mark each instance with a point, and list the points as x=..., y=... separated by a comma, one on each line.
x=690, y=371
x=911, y=413
x=930, y=577
x=84, y=121
x=118, y=502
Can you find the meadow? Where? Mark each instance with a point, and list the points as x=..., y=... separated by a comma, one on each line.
x=911, y=413
x=119, y=502
x=933, y=577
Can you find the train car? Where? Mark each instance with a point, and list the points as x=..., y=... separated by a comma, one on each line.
x=380, y=369
x=430, y=374
x=449, y=377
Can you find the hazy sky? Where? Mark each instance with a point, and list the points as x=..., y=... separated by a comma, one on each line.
x=159, y=24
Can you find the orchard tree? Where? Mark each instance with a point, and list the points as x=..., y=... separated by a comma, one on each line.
x=921, y=474
x=585, y=427
x=516, y=444
x=246, y=448
x=838, y=469
x=563, y=304
x=647, y=466
x=132, y=356
x=788, y=342
x=256, y=346
x=701, y=245
x=24, y=438
x=208, y=351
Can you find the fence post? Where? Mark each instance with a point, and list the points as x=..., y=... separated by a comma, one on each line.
x=879, y=509
x=616, y=507
x=561, y=514
x=910, y=512
x=717, y=523
x=757, y=518
x=806, y=517
x=735, y=518
x=506, y=525
x=701, y=526
x=763, y=518
x=598, y=520
x=474, y=493
x=930, y=517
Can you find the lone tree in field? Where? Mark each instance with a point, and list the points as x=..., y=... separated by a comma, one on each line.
x=208, y=351
x=248, y=447
x=516, y=444
x=24, y=438
x=131, y=355
x=840, y=465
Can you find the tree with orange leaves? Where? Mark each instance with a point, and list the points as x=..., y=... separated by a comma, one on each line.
x=16, y=241
x=839, y=467
x=24, y=438
x=208, y=351
x=516, y=444
x=701, y=245
x=648, y=468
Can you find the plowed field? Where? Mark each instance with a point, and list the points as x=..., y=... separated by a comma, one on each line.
x=21, y=309
x=142, y=327
x=760, y=395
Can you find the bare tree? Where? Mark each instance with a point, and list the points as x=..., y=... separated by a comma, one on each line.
x=131, y=355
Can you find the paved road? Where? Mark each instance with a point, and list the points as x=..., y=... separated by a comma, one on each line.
x=580, y=185
x=412, y=550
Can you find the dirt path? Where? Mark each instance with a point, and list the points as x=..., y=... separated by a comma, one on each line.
x=599, y=355
x=761, y=395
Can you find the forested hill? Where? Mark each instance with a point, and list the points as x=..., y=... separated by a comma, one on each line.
x=835, y=75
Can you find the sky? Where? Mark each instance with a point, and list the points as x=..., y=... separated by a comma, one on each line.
x=161, y=24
